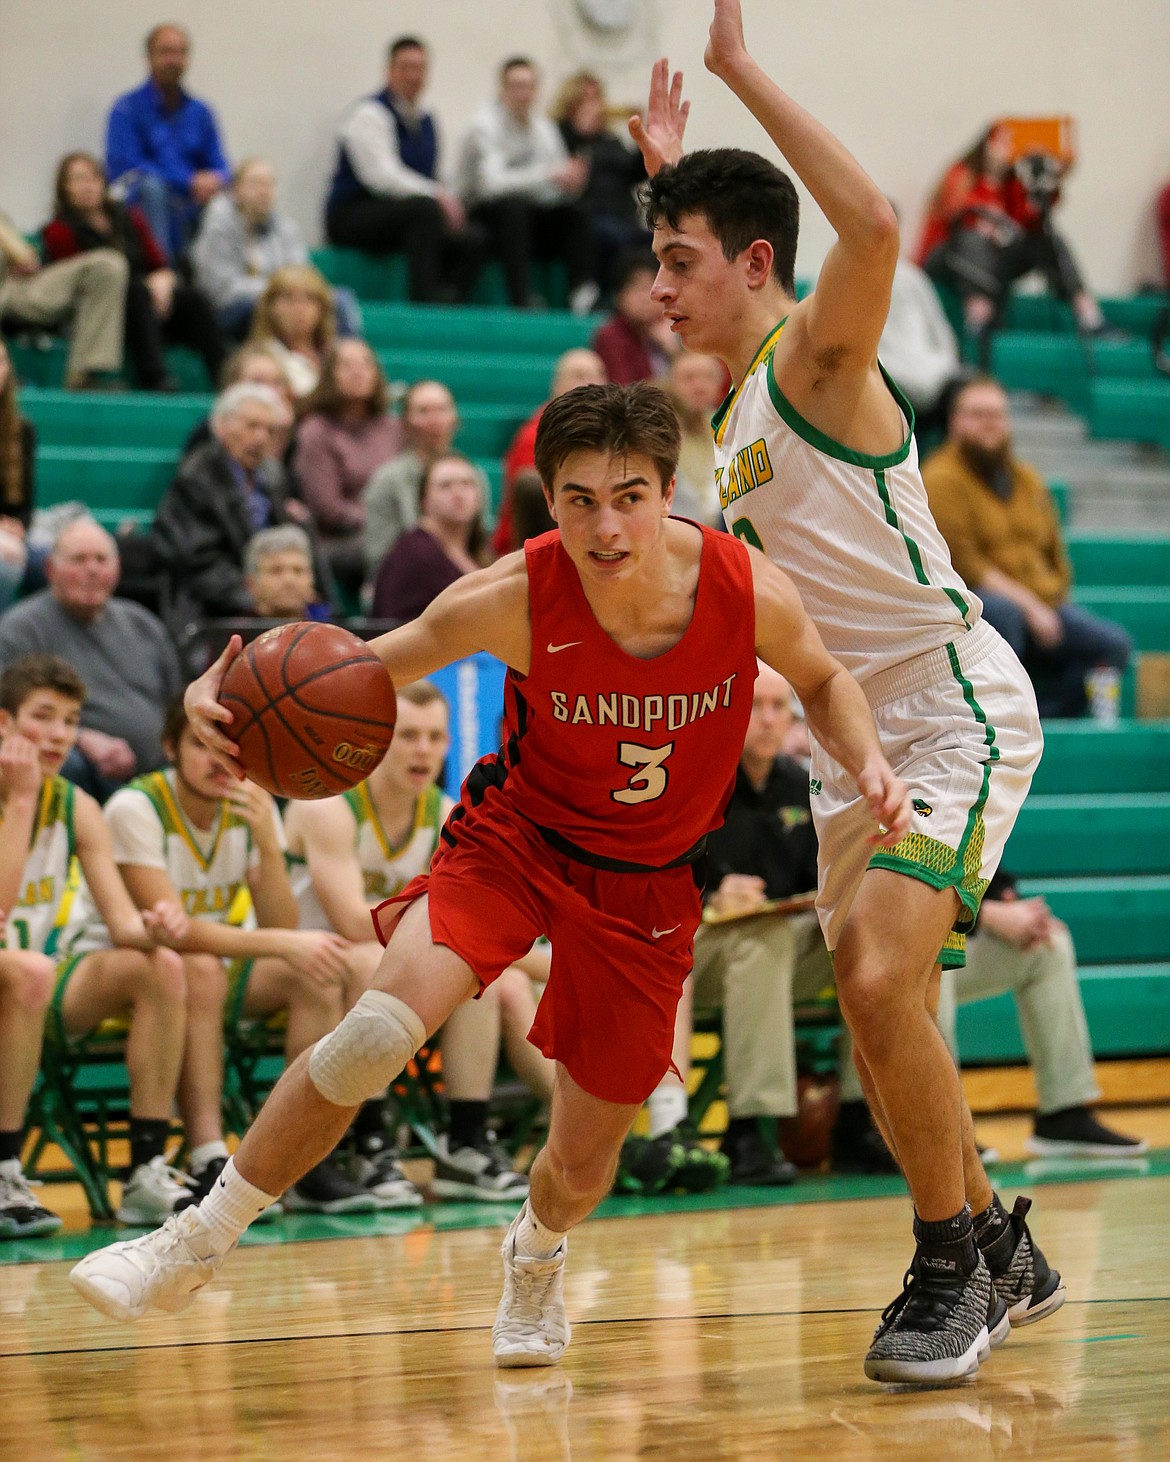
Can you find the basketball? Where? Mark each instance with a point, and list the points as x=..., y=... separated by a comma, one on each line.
x=313, y=709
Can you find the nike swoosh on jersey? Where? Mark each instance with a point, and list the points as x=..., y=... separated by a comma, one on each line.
x=568, y=645
x=661, y=933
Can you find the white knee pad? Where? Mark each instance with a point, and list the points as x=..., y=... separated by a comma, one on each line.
x=363, y=1054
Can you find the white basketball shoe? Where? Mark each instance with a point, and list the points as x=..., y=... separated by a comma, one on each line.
x=531, y=1326
x=163, y=1269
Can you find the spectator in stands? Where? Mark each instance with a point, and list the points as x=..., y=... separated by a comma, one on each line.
x=753, y=968
x=1019, y=947
x=161, y=307
x=163, y=149
x=294, y=316
x=88, y=294
x=615, y=170
x=1003, y=531
x=429, y=424
x=193, y=833
x=521, y=184
x=530, y=514
x=345, y=435
x=636, y=342
x=120, y=650
x=278, y=573
x=1163, y=210
x=696, y=384
x=577, y=367
x=448, y=541
x=348, y=852
x=258, y=365
x=21, y=569
x=386, y=194
x=989, y=223
x=243, y=240
x=223, y=493
x=45, y=822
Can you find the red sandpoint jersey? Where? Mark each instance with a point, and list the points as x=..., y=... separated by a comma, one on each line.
x=630, y=760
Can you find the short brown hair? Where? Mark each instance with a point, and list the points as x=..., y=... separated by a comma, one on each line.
x=614, y=419
x=174, y=724
x=326, y=398
x=39, y=672
x=422, y=693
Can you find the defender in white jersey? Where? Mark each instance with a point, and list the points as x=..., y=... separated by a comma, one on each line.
x=350, y=852
x=816, y=465
x=45, y=824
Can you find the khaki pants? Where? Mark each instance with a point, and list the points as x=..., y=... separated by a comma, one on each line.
x=755, y=970
x=90, y=290
x=1044, y=984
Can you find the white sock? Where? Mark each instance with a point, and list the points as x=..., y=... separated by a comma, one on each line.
x=231, y=1206
x=533, y=1240
x=203, y=1154
x=666, y=1106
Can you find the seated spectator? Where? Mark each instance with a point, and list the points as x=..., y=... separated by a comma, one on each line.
x=386, y=194
x=345, y=435
x=120, y=650
x=577, y=367
x=919, y=350
x=696, y=384
x=45, y=822
x=448, y=542
x=278, y=573
x=635, y=343
x=753, y=968
x=243, y=240
x=161, y=307
x=615, y=170
x=1002, y=529
x=989, y=223
x=193, y=834
x=163, y=149
x=87, y=294
x=258, y=365
x=294, y=317
x=1019, y=947
x=1163, y=209
x=21, y=568
x=520, y=183
x=429, y=424
x=530, y=514
x=223, y=493
x=348, y=852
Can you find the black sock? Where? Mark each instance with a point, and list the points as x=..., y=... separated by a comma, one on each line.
x=368, y=1121
x=946, y=1246
x=994, y=1235
x=148, y=1139
x=10, y=1145
x=737, y=1129
x=468, y=1123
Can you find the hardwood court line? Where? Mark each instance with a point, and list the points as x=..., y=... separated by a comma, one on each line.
x=617, y=1321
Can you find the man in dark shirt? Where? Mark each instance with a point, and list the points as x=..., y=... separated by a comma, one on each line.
x=754, y=965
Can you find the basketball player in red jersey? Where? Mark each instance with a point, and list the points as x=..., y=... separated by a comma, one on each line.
x=631, y=640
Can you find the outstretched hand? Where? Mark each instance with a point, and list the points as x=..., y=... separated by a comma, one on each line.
x=725, y=43
x=660, y=135
x=207, y=717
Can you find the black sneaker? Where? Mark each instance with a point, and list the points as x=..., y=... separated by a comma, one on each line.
x=326, y=1189
x=856, y=1145
x=673, y=1162
x=1076, y=1132
x=1020, y=1273
x=935, y=1332
x=756, y=1165
x=375, y=1166
x=476, y=1174
x=21, y=1216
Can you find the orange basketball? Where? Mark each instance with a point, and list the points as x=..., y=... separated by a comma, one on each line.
x=313, y=709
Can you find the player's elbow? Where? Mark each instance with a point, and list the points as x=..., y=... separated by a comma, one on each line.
x=877, y=231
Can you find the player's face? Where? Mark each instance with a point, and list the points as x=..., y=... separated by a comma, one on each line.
x=697, y=288
x=419, y=748
x=50, y=721
x=610, y=511
x=772, y=716
x=198, y=770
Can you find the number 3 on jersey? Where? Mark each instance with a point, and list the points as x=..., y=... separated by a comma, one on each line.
x=650, y=780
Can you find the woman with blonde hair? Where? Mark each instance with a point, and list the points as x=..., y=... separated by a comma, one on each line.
x=295, y=317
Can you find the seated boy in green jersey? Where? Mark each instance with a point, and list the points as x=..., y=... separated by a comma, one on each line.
x=350, y=852
x=44, y=822
x=192, y=833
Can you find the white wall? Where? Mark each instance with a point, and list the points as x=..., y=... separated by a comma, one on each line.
x=906, y=84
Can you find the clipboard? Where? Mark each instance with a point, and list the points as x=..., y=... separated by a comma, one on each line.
x=797, y=903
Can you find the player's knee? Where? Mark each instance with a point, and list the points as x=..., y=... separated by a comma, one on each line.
x=27, y=979
x=166, y=978
x=367, y=1050
x=206, y=984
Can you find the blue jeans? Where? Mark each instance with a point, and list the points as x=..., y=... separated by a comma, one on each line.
x=1059, y=672
x=172, y=215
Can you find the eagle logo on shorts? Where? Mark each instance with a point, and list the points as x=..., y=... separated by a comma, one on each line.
x=923, y=809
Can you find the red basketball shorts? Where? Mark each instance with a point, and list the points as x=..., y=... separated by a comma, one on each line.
x=622, y=943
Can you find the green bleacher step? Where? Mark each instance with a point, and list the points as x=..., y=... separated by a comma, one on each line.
x=44, y=365
x=475, y=328
x=520, y=381
x=486, y=428
x=133, y=419
x=1127, y=1006
x=1113, y=920
x=1136, y=409
x=383, y=277
x=1091, y=834
x=1145, y=613
x=1127, y=560
x=105, y=477
x=1083, y=756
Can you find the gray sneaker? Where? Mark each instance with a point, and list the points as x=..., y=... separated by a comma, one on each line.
x=935, y=1332
x=478, y=1174
x=376, y=1168
x=1023, y=1278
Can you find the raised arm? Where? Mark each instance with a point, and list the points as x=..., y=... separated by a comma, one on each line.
x=837, y=711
